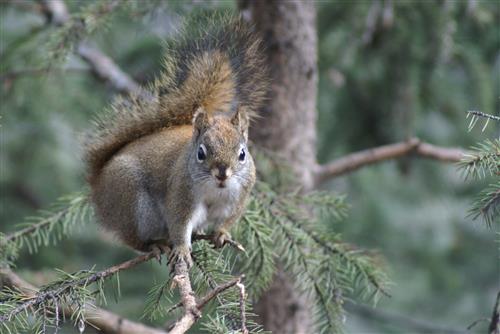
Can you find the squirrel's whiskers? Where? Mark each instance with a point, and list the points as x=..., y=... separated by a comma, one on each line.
x=161, y=169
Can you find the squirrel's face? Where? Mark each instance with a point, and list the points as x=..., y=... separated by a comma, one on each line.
x=220, y=156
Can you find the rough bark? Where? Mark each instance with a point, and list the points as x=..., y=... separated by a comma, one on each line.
x=288, y=122
x=288, y=126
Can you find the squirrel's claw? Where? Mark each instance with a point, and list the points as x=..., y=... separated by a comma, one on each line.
x=220, y=237
x=180, y=253
x=159, y=249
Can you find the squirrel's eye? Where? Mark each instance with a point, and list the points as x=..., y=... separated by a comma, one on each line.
x=202, y=153
x=242, y=155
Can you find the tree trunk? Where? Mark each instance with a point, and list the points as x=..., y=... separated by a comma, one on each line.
x=288, y=126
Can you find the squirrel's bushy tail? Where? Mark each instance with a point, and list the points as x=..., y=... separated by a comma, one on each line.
x=215, y=63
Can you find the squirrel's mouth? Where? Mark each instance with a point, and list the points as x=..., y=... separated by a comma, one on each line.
x=221, y=185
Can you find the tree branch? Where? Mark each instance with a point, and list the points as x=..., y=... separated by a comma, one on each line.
x=484, y=115
x=191, y=312
x=241, y=288
x=217, y=290
x=103, y=67
x=363, y=158
x=45, y=295
x=33, y=227
x=192, y=309
x=107, y=321
x=104, y=320
x=212, y=294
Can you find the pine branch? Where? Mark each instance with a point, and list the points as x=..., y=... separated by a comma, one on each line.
x=106, y=321
x=301, y=264
x=48, y=227
x=54, y=294
x=487, y=205
x=58, y=289
x=190, y=316
x=48, y=222
x=324, y=267
x=210, y=268
x=334, y=207
x=258, y=262
x=476, y=115
x=353, y=161
x=482, y=160
x=482, y=114
x=102, y=66
x=217, y=290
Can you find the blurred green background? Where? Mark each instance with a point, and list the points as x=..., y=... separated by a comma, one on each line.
x=388, y=71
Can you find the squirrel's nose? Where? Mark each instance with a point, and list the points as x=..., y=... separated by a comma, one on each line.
x=221, y=177
x=221, y=172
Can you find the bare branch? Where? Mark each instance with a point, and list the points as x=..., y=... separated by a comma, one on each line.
x=105, y=320
x=444, y=154
x=217, y=290
x=363, y=158
x=102, y=66
x=191, y=312
x=241, y=287
x=106, y=70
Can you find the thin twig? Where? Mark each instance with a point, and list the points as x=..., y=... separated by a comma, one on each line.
x=353, y=161
x=482, y=114
x=34, y=227
x=241, y=287
x=211, y=294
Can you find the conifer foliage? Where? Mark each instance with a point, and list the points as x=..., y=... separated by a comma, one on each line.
x=481, y=162
x=274, y=227
x=282, y=228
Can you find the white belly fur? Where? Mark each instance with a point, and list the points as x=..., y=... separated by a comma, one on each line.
x=214, y=206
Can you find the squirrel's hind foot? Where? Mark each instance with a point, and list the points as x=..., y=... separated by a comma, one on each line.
x=221, y=237
x=159, y=249
x=179, y=253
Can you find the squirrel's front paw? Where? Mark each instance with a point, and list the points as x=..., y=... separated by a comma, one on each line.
x=181, y=253
x=220, y=238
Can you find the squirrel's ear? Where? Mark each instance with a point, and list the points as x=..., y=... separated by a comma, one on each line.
x=240, y=121
x=200, y=121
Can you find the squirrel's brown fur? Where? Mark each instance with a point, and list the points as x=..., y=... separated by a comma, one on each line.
x=219, y=67
x=162, y=168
